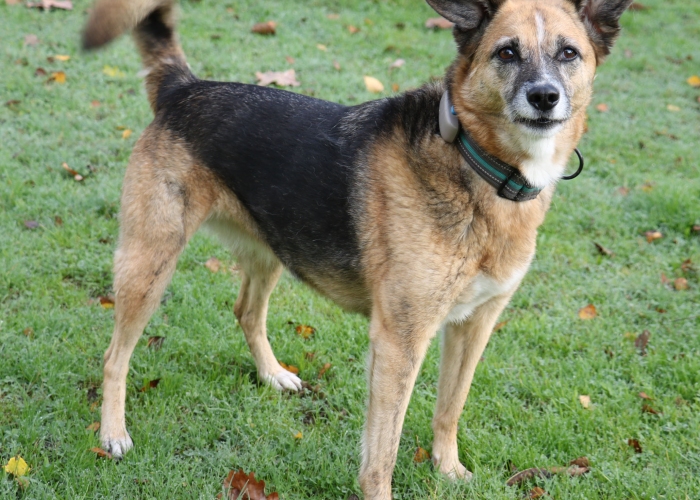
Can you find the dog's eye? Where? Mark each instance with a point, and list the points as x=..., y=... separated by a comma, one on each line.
x=568, y=54
x=506, y=54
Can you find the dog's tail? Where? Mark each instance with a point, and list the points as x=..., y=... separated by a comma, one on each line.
x=153, y=24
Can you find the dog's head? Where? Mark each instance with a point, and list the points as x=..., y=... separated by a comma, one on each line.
x=527, y=66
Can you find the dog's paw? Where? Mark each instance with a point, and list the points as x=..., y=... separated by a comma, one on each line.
x=117, y=446
x=284, y=380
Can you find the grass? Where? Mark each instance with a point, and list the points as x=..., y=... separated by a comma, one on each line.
x=209, y=414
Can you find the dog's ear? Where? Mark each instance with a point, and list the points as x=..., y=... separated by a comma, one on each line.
x=602, y=20
x=466, y=14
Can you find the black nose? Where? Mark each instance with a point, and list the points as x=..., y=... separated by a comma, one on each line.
x=543, y=97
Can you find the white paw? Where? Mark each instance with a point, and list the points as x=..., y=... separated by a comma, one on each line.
x=117, y=446
x=284, y=380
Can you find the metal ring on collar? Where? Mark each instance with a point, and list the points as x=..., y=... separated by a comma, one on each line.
x=580, y=167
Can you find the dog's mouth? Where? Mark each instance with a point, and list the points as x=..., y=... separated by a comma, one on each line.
x=541, y=123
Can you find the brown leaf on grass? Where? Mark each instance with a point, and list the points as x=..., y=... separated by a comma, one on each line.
x=636, y=6
x=51, y=4
x=58, y=220
x=642, y=341
x=280, y=78
x=31, y=224
x=94, y=427
x=649, y=409
x=126, y=133
x=500, y=325
x=266, y=28
x=305, y=331
x=12, y=103
x=289, y=59
x=241, y=486
x=152, y=384
x=397, y=64
x=324, y=369
x=602, y=107
x=40, y=72
x=336, y=65
x=664, y=279
x=439, y=23
x=580, y=462
x=353, y=29
x=588, y=312
x=373, y=85
x=31, y=40
x=680, y=284
x=100, y=452
x=687, y=266
x=694, y=81
x=394, y=87
x=213, y=264
x=72, y=172
x=333, y=16
x=290, y=368
x=309, y=355
x=536, y=492
x=585, y=401
x=522, y=476
x=644, y=395
x=155, y=342
x=623, y=191
x=420, y=455
x=106, y=301
x=696, y=227
x=604, y=251
x=635, y=444
x=653, y=236
x=28, y=332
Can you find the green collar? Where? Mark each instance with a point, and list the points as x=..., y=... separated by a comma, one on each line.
x=508, y=181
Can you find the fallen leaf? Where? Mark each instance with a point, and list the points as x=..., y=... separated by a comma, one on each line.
x=106, y=301
x=17, y=466
x=664, y=279
x=536, y=492
x=636, y=6
x=624, y=191
x=522, y=476
x=421, y=455
x=31, y=40
x=580, y=462
x=241, y=486
x=628, y=53
x=58, y=220
x=305, y=331
x=687, y=266
x=309, y=355
x=12, y=103
x=635, y=444
x=95, y=103
x=373, y=85
x=642, y=341
x=397, y=64
x=604, y=251
x=588, y=312
x=155, y=342
x=602, y=107
x=680, y=284
x=289, y=59
x=31, y=224
x=266, y=28
x=72, y=172
x=290, y=368
x=648, y=409
x=394, y=87
x=500, y=325
x=113, y=71
x=673, y=108
x=58, y=77
x=653, y=235
x=333, y=16
x=353, y=29
x=126, y=134
x=322, y=47
x=694, y=81
x=439, y=23
x=51, y=4
x=279, y=78
x=100, y=452
x=62, y=58
x=585, y=401
x=644, y=395
x=213, y=264
x=336, y=65
x=28, y=332
x=324, y=369
x=152, y=384
x=696, y=228
x=40, y=72
x=94, y=427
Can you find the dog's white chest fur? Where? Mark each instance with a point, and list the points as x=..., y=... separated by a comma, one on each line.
x=481, y=289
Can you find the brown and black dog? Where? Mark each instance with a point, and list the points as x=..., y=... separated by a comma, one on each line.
x=372, y=205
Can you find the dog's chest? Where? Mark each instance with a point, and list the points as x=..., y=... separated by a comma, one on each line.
x=480, y=290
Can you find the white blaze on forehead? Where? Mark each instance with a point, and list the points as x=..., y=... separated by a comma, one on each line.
x=541, y=32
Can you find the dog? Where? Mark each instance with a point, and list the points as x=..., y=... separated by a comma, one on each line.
x=420, y=210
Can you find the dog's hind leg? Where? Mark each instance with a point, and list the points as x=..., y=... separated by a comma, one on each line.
x=463, y=345
x=164, y=200
x=259, y=278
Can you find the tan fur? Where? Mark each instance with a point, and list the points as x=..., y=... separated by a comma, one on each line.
x=426, y=242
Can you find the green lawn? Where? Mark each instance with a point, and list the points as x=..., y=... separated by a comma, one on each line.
x=209, y=413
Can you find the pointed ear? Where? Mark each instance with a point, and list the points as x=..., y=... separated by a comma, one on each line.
x=602, y=20
x=466, y=14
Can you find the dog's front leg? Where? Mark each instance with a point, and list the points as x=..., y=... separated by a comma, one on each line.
x=463, y=345
x=394, y=360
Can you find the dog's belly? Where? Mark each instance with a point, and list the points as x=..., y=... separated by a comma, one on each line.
x=479, y=291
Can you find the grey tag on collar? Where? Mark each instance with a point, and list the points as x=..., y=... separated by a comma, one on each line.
x=449, y=123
